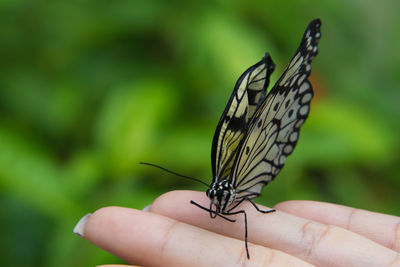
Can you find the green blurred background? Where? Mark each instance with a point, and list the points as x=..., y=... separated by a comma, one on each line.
x=90, y=88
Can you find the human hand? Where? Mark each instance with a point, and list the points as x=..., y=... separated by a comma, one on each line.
x=300, y=233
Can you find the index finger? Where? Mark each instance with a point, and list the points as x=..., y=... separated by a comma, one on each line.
x=313, y=242
x=151, y=239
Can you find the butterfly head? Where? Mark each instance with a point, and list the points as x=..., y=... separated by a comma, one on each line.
x=222, y=195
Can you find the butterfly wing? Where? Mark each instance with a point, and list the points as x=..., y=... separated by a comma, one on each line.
x=274, y=130
x=249, y=91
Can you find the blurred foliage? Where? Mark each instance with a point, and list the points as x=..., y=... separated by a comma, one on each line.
x=90, y=88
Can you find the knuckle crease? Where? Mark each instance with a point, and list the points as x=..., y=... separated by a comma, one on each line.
x=166, y=238
x=316, y=232
x=395, y=245
x=350, y=218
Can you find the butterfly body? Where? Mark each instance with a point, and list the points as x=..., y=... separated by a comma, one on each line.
x=222, y=195
x=257, y=131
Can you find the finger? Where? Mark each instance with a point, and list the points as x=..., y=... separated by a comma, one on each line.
x=313, y=242
x=381, y=228
x=150, y=239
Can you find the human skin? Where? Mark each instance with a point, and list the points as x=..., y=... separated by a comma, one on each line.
x=172, y=232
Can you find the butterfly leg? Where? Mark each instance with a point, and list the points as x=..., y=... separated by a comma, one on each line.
x=236, y=204
x=245, y=228
x=258, y=209
x=212, y=211
x=230, y=220
x=252, y=203
x=229, y=212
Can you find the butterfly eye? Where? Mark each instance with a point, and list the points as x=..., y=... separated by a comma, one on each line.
x=208, y=192
x=219, y=193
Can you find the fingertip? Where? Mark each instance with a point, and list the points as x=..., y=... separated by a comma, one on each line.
x=79, y=228
x=104, y=222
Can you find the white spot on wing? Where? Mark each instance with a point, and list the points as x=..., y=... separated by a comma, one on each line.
x=299, y=123
x=293, y=137
x=303, y=110
x=306, y=98
x=304, y=87
x=282, y=159
x=288, y=149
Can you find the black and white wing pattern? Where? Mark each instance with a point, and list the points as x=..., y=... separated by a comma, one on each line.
x=249, y=91
x=274, y=130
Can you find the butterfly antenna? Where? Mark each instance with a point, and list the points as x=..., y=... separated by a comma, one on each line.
x=171, y=172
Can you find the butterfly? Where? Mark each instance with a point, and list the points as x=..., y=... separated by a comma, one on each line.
x=257, y=131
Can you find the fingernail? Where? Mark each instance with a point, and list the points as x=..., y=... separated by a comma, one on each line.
x=79, y=228
x=147, y=208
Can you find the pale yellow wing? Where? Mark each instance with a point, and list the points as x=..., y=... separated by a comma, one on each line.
x=249, y=91
x=274, y=129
